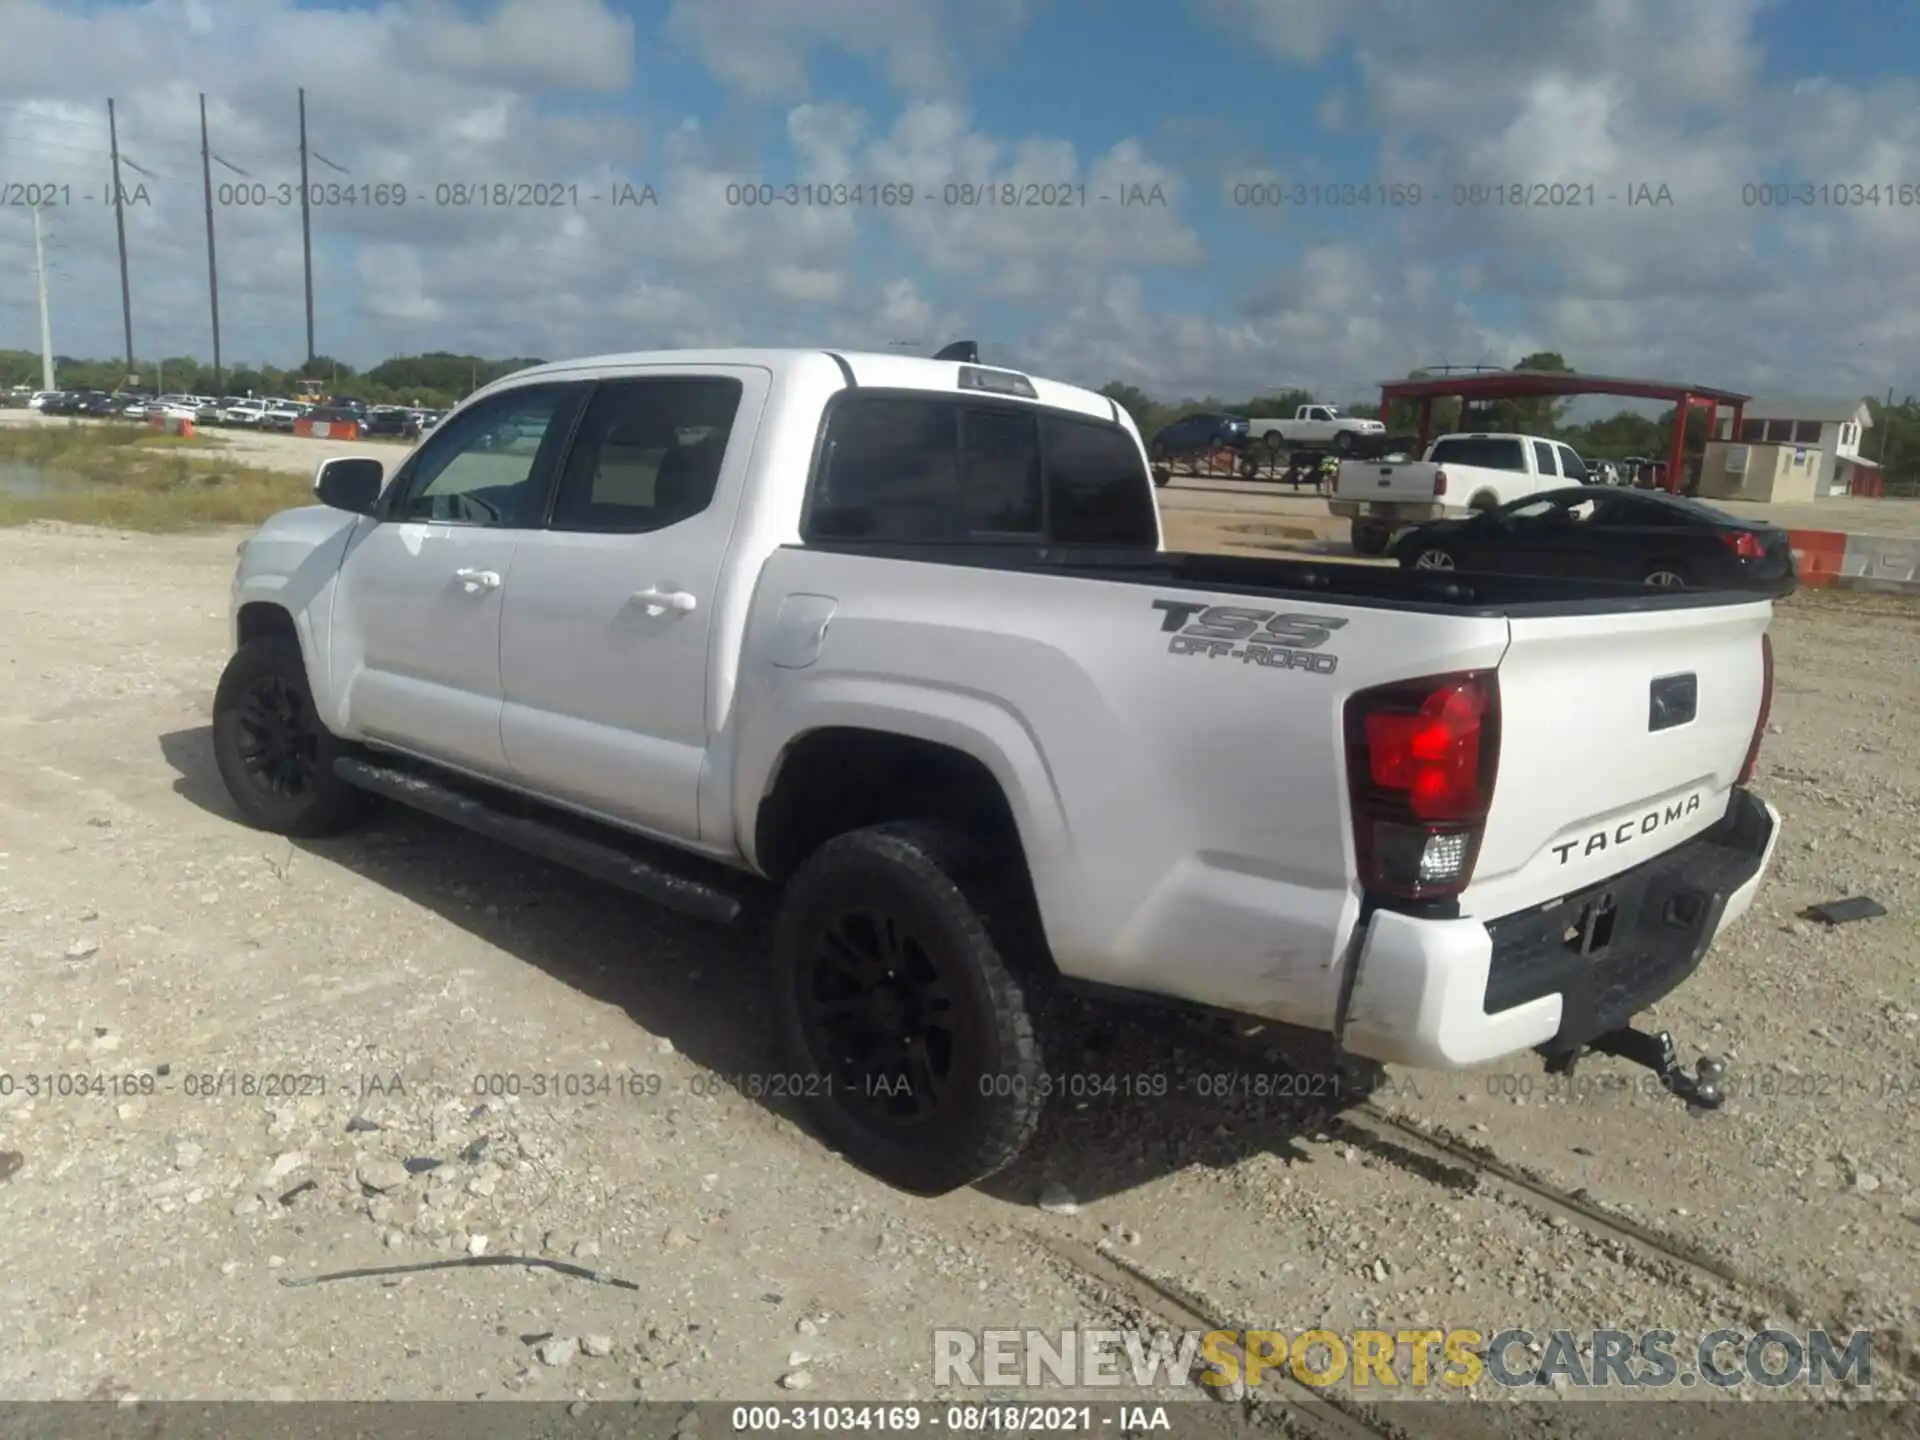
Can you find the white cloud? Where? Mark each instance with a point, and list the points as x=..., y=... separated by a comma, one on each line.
x=764, y=46
x=427, y=93
x=566, y=44
x=1615, y=94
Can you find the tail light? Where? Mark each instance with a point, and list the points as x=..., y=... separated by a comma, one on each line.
x=1421, y=763
x=1766, y=710
x=1745, y=544
x=1439, y=482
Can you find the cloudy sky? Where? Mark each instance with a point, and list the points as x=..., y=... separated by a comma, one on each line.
x=1233, y=182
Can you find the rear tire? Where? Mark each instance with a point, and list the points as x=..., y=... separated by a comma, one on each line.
x=1275, y=442
x=1483, y=502
x=274, y=755
x=1370, y=537
x=897, y=1003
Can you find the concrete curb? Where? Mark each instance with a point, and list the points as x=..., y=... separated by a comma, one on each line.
x=1834, y=559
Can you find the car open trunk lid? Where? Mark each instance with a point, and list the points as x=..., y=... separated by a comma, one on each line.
x=1622, y=735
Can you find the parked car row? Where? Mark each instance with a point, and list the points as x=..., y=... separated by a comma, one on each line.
x=251, y=412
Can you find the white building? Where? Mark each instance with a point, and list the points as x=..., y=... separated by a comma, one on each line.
x=1791, y=448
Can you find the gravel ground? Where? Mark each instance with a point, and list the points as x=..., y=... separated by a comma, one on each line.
x=386, y=984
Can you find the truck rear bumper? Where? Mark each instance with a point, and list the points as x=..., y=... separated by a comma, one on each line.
x=1441, y=994
x=1391, y=512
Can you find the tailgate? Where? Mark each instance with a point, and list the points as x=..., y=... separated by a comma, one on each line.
x=1620, y=737
x=1384, y=480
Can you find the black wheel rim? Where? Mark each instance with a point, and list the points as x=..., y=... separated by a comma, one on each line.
x=279, y=738
x=882, y=1016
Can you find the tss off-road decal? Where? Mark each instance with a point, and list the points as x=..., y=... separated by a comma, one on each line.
x=1271, y=639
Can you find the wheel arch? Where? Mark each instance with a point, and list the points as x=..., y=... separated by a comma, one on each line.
x=845, y=771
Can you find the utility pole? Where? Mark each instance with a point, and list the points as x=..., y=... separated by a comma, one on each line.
x=306, y=223
x=46, y=323
x=120, y=225
x=213, y=268
x=1886, y=435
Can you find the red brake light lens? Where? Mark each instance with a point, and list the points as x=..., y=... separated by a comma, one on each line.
x=1439, y=482
x=1421, y=764
x=1746, y=545
x=1433, y=756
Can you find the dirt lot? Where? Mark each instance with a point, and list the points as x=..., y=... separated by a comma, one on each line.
x=175, y=967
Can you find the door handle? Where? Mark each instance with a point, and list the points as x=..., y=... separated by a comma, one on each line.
x=478, y=579
x=658, y=601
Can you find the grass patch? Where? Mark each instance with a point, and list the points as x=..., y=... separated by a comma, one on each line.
x=127, y=477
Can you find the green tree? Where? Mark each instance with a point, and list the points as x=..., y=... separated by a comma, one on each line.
x=1132, y=399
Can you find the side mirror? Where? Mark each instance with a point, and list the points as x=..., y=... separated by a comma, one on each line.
x=351, y=483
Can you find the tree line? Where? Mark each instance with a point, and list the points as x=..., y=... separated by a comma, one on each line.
x=440, y=379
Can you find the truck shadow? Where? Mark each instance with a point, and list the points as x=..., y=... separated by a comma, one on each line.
x=1131, y=1100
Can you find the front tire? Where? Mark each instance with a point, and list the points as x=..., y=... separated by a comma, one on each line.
x=273, y=753
x=897, y=1003
x=1344, y=443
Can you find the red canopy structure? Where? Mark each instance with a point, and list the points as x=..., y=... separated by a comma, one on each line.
x=1540, y=384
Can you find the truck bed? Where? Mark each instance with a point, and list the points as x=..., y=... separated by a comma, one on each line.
x=1379, y=586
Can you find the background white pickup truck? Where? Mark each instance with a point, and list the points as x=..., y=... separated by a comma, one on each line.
x=892, y=644
x=1460, y=474
x=1313, y=427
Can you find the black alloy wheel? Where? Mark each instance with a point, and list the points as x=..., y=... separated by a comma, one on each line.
x=875, y=988
x=280, y=744
x=901, y=1015
x=274, y=753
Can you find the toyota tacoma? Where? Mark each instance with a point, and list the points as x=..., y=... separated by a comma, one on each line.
x=889, y=651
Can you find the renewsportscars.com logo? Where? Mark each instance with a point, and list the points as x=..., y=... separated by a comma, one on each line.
x=1415, y=1359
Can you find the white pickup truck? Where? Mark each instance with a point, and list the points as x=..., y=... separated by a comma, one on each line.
x=1460, y=474
x=893, y=644
x=1314, y=427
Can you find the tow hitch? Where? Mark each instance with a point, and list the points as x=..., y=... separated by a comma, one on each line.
x=1699, y=1089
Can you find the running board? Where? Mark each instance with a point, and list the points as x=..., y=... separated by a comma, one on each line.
x=669, y=881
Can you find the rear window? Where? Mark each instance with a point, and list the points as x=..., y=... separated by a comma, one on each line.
x=903, y=468
x=1488, y=454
